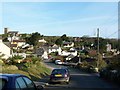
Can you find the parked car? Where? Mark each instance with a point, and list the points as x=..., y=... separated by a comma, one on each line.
x=17, y=82
x=60, y=75
x=58, y=62
x=113, y=75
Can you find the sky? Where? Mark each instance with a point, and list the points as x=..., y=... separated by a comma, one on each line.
x=58, y=18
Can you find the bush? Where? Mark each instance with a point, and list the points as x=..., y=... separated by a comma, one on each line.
x=13, y=60
x=36, y=59
x=1, y=62
x=101, y=62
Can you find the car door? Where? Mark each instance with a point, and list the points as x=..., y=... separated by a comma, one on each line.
x=29, y=83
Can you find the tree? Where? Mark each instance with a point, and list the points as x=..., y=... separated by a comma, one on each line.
x=59, y=41
x=33, y=39
x=102, y=44
x=64, y=37
x=4, y=37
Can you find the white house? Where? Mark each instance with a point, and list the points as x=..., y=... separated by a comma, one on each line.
x=68, y=44
x=55, y=49
x=13, y=35
x=4, y=50
x=45, y=55
x=19, y=43
x=42, y=41
x=109, y=47
x=42, y=53
x=67, y=53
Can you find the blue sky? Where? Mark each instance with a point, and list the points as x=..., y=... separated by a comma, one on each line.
x=58, y=18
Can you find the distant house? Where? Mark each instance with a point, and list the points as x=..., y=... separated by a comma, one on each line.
x=109, y=47
x=17, y=43
x=42, y=53
x=54, y=49
x=92, y=53
x=4, y=49
x=68, y=44
x=27, y=46
x=42, y=41
x=69, y=57
x=67, y=53
x=77, y=39
x=13, y=35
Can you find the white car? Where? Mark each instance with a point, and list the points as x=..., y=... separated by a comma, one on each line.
x=58, y=62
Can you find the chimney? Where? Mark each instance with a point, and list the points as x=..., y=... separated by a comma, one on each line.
x=5, y=30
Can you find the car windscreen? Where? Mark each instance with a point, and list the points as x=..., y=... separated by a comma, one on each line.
x=59, y=71
x=2, y=83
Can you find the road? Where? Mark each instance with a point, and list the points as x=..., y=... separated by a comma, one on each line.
x=80, y=81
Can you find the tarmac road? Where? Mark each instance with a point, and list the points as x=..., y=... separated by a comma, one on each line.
x=80, y=81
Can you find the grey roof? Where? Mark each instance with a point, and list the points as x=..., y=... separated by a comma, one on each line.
x=67, y=42
x=7, y=43
x=71, y=56
x=12, y=31
x=53, y=48
x=40, y=51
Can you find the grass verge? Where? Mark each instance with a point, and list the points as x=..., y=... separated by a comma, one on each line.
x=33, y=71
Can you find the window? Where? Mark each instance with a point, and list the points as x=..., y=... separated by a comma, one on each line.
x=29, y=83
x=2, y=83
x=17, y=85
x=20, y=83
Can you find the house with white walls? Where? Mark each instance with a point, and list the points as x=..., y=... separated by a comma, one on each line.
x=4, y=49
x=42, y=40
x=18, y=43
x=68, y=44
x=42, y=53
x=55, y=49
x=67, y=53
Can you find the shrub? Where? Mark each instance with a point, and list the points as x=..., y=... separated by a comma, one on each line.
x=14, y=59
x=36, y=59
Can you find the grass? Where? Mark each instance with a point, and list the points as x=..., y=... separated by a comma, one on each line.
x=33, y=71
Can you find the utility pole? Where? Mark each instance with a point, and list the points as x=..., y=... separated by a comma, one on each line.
x=98, y=47
x=11, y=47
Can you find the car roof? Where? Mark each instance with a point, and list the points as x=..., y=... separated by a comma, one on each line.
x=60, y=69
x=6, y=76
x=11, y=75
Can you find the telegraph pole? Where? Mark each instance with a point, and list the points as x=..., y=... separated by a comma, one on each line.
x=98, y=47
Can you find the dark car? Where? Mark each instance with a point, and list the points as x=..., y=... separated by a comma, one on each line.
x=60, y=75
x=16, y=82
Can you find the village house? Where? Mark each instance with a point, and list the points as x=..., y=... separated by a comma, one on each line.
x=12, y=35
x=42, y=41
x=68, y=44
x=67, y=53
x=42, y=53
x=14, y=38
x=54, y=48
x=109, y=47
x=4, y=49
x=17, y=43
